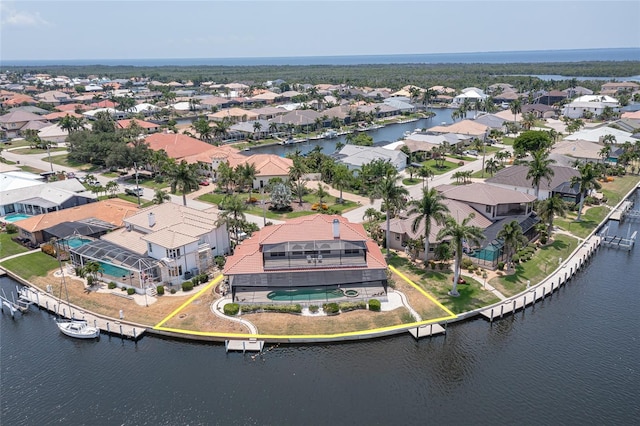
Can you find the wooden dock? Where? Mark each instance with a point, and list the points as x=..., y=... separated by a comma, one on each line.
x=52, y=304
x=427, y=330
x=621, y=211
x=538, y=292
x=251, y=345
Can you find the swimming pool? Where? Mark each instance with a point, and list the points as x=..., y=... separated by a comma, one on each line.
x=114, y=271
x=14, y=217
x=305, y=294
x=76, y=242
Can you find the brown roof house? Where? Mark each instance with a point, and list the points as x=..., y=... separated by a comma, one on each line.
x=310, y=260
x=13, y=123
x=515, y=178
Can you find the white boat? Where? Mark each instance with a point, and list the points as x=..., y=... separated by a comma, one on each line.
x=78, y=329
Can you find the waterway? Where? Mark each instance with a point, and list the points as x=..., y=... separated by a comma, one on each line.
x=571, y=359
x=389, y=133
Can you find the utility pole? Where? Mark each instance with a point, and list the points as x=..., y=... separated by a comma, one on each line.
x=135, y=167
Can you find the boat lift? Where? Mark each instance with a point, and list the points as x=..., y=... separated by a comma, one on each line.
x=615, y=241
x=14, y=305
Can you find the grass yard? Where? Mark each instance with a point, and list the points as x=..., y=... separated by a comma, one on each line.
x=411, y=182
x=447, y=166
x=438, y=283
x=150, y=183
x=63, y=160
x=8, y=247
x=30, y=169
x=30, y=265
x=616, y=190
x=590, y=219
x=29, y=151
x=544, y=261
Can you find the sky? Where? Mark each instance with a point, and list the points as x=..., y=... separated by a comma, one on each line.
x=87, y=29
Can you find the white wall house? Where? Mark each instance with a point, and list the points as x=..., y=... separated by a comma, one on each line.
x=594, y=104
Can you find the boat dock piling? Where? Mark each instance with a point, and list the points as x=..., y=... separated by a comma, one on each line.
x=427, y=330
x=13, y=305
x=622, y=210
x=51, y=304
x=615, y=241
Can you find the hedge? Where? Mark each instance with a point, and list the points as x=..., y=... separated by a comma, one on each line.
x=112, y=285
x=374, y=305
x=231, y=309
x=283, y=309
x=187, y=286
x=352, y=306
x=331, y=308
x=160, y=290
x=131, y=291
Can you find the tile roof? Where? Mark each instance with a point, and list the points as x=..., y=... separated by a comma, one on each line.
x=466, y=127
x=113, y=211
x=247, y=257
x=177, y=145
x=517, y=176
x=19, y=116
x=484, y=194
x=123, y=124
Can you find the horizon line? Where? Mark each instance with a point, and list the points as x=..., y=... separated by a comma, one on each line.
x=2, y=60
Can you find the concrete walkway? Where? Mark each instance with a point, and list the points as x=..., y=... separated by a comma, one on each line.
x=217, y=309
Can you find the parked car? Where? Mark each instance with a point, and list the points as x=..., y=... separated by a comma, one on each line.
x=470, y=152
x=204, y=183
x=133, y=191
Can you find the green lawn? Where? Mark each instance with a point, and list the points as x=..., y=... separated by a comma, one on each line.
x=31, y=169
x=543, y=262
x=29, y=151
x=63, y=160
x=35, y=264
x=8, y=247
x=479, y=175
x=447, y=166
x=507, y=140
x=438, y=283
x=150, y=183
x=588, y=222
x=410, y=182
x=614, y=191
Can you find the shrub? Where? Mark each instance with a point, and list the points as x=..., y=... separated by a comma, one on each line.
x=231, y=309
x=112, y=285
x=123, y=289
x=48, y=249
x=160, y=290
x=131, y=291
x=352, y=306
x=331, y=308
x=460, y=163
x=471, y=268
x=314, y=309
x=501, y=266
x=515, y=258
x=432, y=264
x=11, y=228
x=173, y=291
x=466, y=263
x=220, y=261
x=374, y=305
x=187, y=286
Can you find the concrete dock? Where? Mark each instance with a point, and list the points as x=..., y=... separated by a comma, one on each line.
x=251, y=345
x=427, y=330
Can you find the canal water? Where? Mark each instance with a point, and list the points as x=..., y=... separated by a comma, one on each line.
x=571, y=359
x=390, y=133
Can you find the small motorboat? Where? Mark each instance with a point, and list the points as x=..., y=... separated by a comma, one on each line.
x=78, y=329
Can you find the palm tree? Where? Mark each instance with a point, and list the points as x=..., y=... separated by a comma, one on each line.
x=551, y=207
x=112, y=188
x=232, y=214
x=298, y=189
x=429, y=207
x=540, y=168
x=425, y=173
x=90, y=271
x=321, y=193
x=221, y=128
x=225, y=176
x=393, y=196
x=459, y=232
x=342, y=176
x=586, y=181
x=513, y=238
x=202, y=127
x=516, y=108
x=246, y=174
x=256, y=129
x=492, y=165
x=182, y=176
x=371, y=214
x=160, y=196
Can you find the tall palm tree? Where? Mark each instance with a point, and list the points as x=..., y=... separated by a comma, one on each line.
x=246, y=174
x=492, y=165
x=342, y=176
x=459, y=232
x=183, y=177
x=321, y=193
x=428, y=208
x=540, y=168
x=549, y=208
x=425, y=173
x=232, y=214
x=586, y=181
x=226, y=176
x=393, y=196
x=513, y=238
x=516, y=108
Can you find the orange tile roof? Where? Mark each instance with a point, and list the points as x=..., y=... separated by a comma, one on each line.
x=60, y=115
x=247, y=257
x=266, y=164
x=19, y=99
x=113, y=211
x=106, y=103
x=144, y=124
x=72, y=107
x=177, y=145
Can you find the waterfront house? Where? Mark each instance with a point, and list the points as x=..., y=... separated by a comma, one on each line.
x=354, y=156
x=304, y=256
x=593, y=104
x=599, y=134
x=515, y=178
x=147, y=126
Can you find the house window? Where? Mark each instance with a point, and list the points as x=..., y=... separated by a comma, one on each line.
x=175, y=271
x=487, y=209
x=277, y=254
x=173, y=253
x=149, y=248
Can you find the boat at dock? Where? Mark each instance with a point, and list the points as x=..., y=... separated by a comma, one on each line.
x=78, y=329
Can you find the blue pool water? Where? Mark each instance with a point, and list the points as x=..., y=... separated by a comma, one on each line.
x=305, y=294
x=77, y=242
x=114, y=271
x=14, y=217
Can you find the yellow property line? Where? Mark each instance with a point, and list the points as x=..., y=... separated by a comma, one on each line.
x=440, y=305
x=191, y=299
x=307, y=336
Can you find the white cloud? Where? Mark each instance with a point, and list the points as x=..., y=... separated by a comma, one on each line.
x=17, y=18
